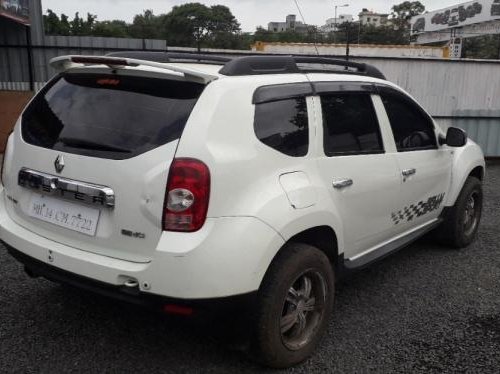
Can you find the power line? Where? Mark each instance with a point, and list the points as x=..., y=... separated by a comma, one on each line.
x=305, y=23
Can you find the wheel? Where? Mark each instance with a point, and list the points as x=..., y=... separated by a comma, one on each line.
x=461, y=223
x=295, y=304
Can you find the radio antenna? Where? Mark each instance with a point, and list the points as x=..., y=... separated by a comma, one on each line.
x=305, y=23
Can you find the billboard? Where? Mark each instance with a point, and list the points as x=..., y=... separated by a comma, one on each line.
x=465, y=14
x=17, y=10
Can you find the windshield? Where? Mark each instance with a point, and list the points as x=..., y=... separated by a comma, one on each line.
x=109, y=116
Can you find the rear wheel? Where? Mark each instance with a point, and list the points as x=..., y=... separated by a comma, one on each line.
x=295, y=304
x=461, y=223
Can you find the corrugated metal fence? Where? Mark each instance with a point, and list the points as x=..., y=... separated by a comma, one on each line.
x=463, y=93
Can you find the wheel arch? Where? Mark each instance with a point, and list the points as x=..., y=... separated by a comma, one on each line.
x=322, y=237
x=467, y=161
x=477, y=172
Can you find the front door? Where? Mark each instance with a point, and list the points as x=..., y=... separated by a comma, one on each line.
x=425, y=167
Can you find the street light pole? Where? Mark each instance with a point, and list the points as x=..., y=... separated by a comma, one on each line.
x=335, y=22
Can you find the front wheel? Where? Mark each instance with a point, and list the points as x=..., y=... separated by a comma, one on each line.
x=461, y=223
x=295, y=304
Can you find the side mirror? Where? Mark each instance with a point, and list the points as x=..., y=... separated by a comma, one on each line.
x=456, y=137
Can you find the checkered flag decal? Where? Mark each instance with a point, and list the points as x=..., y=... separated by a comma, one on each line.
x=413, y=211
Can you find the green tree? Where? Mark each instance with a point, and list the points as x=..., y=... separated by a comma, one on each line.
x=402, y=13
x=115, y=28
x=80, y=26
x=52, y=23
x=195, y=24
x=65, y=27
x=482, y=47
x=187, y=25
x=147, y=26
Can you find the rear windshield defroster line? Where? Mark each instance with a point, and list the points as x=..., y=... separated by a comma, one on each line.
x=109, y=116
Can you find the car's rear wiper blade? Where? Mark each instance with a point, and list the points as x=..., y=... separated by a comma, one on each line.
x=87, y=144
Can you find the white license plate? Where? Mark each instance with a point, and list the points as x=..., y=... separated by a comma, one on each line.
x=61, y=213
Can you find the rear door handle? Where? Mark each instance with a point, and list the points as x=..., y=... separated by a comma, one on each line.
x=343, y=183
x=409, y=172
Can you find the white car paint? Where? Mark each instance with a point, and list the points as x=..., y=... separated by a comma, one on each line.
x=259, y=197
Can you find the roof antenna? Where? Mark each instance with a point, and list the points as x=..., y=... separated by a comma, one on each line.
x=305, y=23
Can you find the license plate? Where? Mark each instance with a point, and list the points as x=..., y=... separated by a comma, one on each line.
x=61, y=213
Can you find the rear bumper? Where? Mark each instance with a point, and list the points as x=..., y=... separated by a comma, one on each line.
x=131, y=295
x=228, y=257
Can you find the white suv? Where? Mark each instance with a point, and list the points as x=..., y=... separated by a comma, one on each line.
x=176, y=181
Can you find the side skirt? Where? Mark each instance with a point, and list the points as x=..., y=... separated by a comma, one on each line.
x=387, y=249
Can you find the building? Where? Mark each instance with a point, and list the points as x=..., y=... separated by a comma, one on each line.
x=291, y=24
x=332, y=24
x=370, y=18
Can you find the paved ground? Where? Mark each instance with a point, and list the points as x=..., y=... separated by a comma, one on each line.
x=425, y=309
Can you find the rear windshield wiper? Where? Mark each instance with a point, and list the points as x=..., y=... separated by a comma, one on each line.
x=87, y=144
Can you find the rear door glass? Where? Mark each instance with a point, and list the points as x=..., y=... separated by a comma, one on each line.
x=109, y=116
x=350, y=125
x=283, y=125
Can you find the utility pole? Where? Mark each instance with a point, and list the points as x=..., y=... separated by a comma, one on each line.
x=499, y=46
x=347, y=47
x=335, y=22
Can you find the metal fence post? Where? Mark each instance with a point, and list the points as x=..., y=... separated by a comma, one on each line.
x=29, y=48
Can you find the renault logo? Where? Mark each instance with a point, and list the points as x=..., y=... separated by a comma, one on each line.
x=59, y=164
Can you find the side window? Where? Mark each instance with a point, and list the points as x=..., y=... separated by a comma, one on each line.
x=283, y=125
x=413, y=130
x=350, y=125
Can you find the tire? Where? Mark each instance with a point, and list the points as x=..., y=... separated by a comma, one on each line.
x=461, y=223
x=286, y=332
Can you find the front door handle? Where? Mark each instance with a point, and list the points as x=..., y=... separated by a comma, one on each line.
x=343, y=183
x=409, y=172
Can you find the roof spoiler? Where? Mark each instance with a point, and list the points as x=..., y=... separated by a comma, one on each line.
x=64, y=63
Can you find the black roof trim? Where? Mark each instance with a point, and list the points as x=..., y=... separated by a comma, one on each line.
x=275, y=92
x=359, y=68
x=258, y=65
x=262, y=64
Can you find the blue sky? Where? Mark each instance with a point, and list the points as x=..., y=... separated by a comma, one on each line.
x=250, y=13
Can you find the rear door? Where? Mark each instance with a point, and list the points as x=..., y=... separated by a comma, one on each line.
x=425, y=167
x=362, y=178
x=91, y=160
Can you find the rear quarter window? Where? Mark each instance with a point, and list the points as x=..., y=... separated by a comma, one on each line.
x=109, y=116
x=283, y=125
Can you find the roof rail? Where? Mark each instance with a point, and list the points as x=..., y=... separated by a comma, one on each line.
x=64, y=63
x=237, y=66
x=170, y=56
x=258, y=65
x=360, y=68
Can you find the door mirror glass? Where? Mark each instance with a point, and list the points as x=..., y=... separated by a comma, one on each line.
x=456, y=137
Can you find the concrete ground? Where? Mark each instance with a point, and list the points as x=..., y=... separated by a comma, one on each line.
x=425, y=309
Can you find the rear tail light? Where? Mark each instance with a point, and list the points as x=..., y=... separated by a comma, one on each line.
x=187, y=195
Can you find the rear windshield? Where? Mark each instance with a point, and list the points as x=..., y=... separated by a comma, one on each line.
x=109, y=116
